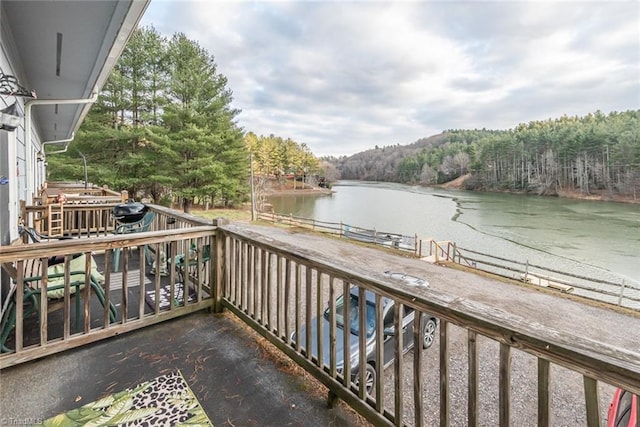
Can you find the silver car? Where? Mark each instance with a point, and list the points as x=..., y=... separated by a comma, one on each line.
x=428, y=327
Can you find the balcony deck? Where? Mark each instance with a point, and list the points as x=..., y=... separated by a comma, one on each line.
x=227, y=369
x=235, y=380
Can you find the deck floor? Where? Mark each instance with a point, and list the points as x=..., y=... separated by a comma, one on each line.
x=236, y=382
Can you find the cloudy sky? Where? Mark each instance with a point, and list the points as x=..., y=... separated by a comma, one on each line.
x=343, y=77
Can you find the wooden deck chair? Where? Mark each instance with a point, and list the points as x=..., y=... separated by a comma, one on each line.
x=32, y=283
x=135, y=227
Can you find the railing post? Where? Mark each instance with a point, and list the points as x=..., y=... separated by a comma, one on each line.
x=444, y=374
x=218, y=266
x=543, y=393
x=592, y=401
x=621, y=293
x=504, y=388
x=473, y=379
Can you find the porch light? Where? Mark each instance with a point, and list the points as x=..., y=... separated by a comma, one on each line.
x=40, y=156
x=10, y=118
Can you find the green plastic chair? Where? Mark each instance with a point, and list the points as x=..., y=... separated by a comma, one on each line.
x=183, y=263
x=33, y=295
x=135, y=227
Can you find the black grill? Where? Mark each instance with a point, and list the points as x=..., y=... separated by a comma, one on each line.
x=129, y=212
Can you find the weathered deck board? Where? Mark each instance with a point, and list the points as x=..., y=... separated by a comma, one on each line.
x=234, y=380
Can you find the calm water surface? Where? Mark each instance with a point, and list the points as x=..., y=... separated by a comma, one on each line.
x=596, y=239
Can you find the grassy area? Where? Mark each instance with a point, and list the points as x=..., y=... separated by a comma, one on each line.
x=230, y=214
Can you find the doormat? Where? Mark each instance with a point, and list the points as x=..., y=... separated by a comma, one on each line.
x=164, y=401
x=165, y=292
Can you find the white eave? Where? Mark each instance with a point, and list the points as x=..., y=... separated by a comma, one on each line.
x=66, y=50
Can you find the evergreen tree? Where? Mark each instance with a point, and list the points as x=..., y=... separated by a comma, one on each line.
x=207, y=146
x=163, y=126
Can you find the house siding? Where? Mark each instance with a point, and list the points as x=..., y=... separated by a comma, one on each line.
x=13, y=148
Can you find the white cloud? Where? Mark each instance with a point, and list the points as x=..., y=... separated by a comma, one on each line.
x=345, y=76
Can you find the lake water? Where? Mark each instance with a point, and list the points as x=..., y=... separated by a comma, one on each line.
x=594, y=239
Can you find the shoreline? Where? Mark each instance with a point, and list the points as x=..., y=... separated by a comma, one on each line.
x=292, y=192
x=458, y=184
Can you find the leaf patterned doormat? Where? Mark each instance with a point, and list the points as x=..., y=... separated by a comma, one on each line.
x=164, y=401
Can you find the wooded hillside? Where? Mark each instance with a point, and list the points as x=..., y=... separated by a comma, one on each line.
x=592, y=154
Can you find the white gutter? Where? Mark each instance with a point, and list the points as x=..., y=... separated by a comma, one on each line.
x=29, y=178
x=58, y=141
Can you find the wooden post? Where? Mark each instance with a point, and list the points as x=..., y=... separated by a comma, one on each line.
x=218, y=267
x=621, y=293
x=543, y=393
x=592, y=401
x=504, y=379
x=444, y=373
x=253, y=191
x=473, y=383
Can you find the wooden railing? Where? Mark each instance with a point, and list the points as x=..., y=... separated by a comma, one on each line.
x=282, y=292
x=118, y=300
x=367, y=235
x=78, y=192
x=78, y=220
x=623, y=294
x=289, y=297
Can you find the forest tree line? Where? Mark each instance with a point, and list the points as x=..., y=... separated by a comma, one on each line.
x=163, y=127
x=592, y=154
x=274, y=156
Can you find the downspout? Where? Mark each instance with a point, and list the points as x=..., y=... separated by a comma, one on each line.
x=58, y=141
x=29, y=179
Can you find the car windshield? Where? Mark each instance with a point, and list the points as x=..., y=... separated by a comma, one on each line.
x=354, y=315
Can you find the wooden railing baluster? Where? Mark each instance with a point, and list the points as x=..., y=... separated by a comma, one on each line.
x=592, y=401
x=472, y=403
x=418, y=418
x=543, y=393
x=444, y=374
x=504, y=388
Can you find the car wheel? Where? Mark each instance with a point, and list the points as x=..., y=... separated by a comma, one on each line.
x=428, y=333
x=370, y=379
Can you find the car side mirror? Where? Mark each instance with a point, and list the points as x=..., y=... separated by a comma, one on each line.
x=389, y=332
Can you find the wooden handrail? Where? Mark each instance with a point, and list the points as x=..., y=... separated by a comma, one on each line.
x=252, y=298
